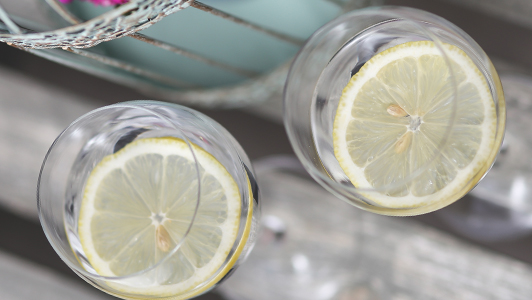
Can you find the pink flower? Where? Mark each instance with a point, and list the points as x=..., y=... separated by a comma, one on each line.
x=101, y=2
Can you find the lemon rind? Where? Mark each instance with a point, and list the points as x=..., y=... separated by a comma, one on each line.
x=465, y=179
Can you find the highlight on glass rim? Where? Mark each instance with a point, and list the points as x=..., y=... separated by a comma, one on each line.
x=160, y=200
x=403, y=110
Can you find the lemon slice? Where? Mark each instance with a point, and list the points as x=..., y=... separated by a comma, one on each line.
x=137, y=206
x=393, y=116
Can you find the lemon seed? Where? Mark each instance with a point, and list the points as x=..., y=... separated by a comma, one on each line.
x=396, y=111
x=163, y=238
x=403, y=143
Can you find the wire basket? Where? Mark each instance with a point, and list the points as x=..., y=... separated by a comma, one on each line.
x=241, y=58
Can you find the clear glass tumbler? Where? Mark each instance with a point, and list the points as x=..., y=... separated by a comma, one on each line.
x=421, y=116
x=148, y=200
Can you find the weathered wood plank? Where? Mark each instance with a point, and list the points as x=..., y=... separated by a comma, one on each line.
x=315, y=246
x=22, y=280
x=32, y=114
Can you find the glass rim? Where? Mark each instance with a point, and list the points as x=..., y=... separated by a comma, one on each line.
x=78, y=267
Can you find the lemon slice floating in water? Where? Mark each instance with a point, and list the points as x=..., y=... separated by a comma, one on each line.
x=393, y=116
x=137, y=206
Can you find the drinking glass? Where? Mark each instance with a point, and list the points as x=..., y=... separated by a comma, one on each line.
x=105, y=131
x=335, y=53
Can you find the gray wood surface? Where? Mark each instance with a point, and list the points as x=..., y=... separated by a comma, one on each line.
x=423, y=261
x=32, y=114
x=514, y=11
x=332, y=250
x=22, y=280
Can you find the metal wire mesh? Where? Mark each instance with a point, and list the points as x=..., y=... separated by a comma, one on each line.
x=229, y=83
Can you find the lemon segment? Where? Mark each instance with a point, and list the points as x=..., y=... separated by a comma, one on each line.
x=393, y=119
x=137, y=207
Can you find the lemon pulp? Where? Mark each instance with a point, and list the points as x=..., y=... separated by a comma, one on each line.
x=137, y=207
x=396, y=116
